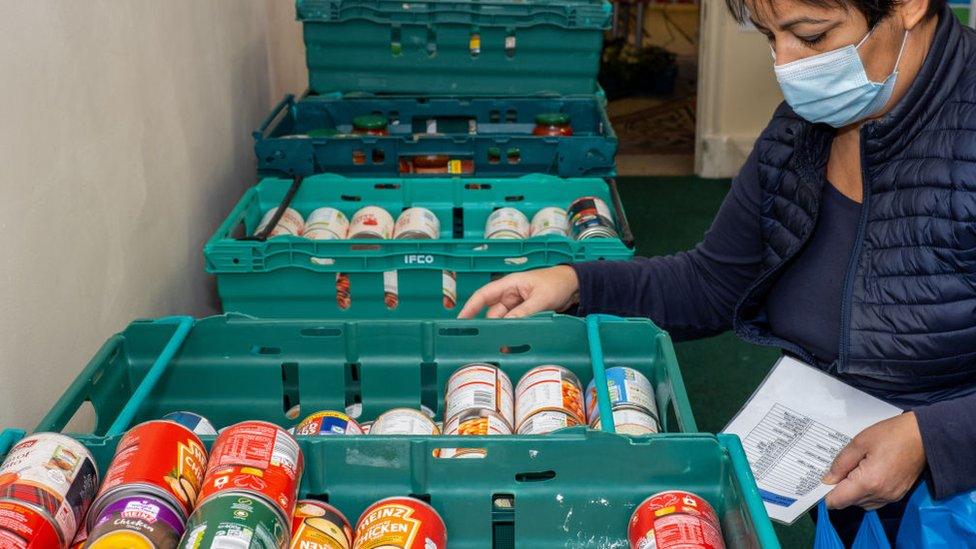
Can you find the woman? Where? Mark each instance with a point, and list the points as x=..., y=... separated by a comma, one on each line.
x=848, y=239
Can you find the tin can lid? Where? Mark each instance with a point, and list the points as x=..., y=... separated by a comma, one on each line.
x=552, y=119
x=369, y=122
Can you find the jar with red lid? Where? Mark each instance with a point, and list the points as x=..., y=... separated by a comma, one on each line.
x=370, y=124
x=553, y=124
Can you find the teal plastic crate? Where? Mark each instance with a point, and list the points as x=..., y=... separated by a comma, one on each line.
x=443, y=47
x=292, y=277
x=503, y=145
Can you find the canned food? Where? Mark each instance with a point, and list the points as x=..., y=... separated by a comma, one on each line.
x=158, y=457
x=371, y=124
x=548, y=388
x=259, y=458
x=136, y=522
x=366, y=426
x=54, y=475
x=480, y=386
x=449, y=288
x=630, y=420
x=236, y=520
x=417, y=223
x=474, y=423
x=326, y=224
x=318, y=525
x=291, y=223
x=194, y=422
x=400, y=523
x=371, y=222
x=391, y=289
x=547, y=421
x=672, y=520
x=404, y=421
x=550, y=221
x=328, y=422
x=589, y=217
x=507, y=223
x=627, y=387
x=555, y=124
x=27, y=526
x=343, y=299
x=431, y=164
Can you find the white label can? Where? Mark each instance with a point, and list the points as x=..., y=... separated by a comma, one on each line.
x=449, y=288
x=474, y=423
x=480, y=386
x=371, y=222
x=550, y=221
x=630, y=420
x=507, y=223
x=626, y=386
x=548, y=387
x=291, y=223
x=417, y=223
x=391, y=289
x=547, y=421
x=404, y=421
x=326, y=224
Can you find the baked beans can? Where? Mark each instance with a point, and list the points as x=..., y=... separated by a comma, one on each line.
x=371, y=222
x=627, y=387
x=507, y=223
x=157, y=457
x=194, y=422
x=547, y=421
x=318, y=525
x=258, y=458
x=404, y=421
x=400, y=523
x=449, y=288
x=236, y=520
x=27, y=526
x=480, y=386
x=391, y=289
x=589, y=217
x=417, y=223
x=56, y=476
x=550, y=221
x=675, y=519
x=630, y=420
x=291, y=223
x=326, y=224
x=328, y=422
x=548, y=388
x=137, y=522
x=481, y=422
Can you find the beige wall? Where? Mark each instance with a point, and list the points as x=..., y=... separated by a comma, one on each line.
x=737, y=91
x=124, y=138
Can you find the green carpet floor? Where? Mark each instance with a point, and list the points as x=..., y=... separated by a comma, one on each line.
x=668, y=215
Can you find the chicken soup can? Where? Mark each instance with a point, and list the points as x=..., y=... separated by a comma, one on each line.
x=328, y=422
x=627, y=387
x=404, y=421
x=547, y=421
x=481, y=422
x=417, y=223
x=675, y=519
x=256, y=457
x=291, y=223
x=27, y=526
x=630, y=420
x=318, y=525
x=480, y=386
x=589, y=217
x=550, y=221
x=548, y=388
x=400, y=523
x=53, y=474
x=157, y=457
x=371, y=222
x=194, y=422
x=507, y=223
x=141, y=521
x=326, y=224
x=236, y=520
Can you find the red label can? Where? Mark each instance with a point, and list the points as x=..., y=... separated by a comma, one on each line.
x=257, y=457
x=23, y=526
x=318, y=525
x=400, y=523
x=675, y=519
x=159, y=457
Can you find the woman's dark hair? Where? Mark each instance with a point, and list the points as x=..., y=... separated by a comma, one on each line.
x=873, y=10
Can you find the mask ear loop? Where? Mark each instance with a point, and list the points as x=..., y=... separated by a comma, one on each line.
x=904, y=42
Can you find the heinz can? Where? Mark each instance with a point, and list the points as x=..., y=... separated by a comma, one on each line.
x=550, y=221
x=318, y=525
x=55, y=476
x=404, y=421
x=326, y=224
x=449, y=288
x=157, y=457
x=507, y=223
x=547, y=421
x=291, y=223
x=481, y=422
x=417, y=223
x=630, y=420
x=589, y=217
x=627, y=387
x=26, y=526
x=328, y=422
x=400, y=523
x=480, y=386
x=194, y=422
x=259, y=458
x=236, y=520
x=672, y=520
x=371, y=222
x=137, y=522
x=548, y=388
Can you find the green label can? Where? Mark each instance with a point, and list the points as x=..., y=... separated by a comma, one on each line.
x=237, y=520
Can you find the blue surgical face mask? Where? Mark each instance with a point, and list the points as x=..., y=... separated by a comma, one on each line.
x=833, y=87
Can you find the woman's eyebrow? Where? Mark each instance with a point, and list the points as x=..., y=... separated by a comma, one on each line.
x=787, y=25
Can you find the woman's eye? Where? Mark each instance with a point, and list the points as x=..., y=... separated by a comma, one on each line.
x=812, y=40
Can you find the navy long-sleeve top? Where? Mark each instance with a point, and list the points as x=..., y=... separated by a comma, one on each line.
x=692, y=294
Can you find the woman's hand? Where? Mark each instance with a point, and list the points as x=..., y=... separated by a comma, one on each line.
x=879, y=465
x=522, y=294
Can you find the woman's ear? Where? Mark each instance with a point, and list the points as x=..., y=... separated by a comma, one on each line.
x=912, y=12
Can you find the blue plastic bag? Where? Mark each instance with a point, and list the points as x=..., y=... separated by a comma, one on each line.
x=932, y=524
x=870, y=535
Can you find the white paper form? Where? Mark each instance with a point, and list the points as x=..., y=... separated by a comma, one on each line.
x=794, y=426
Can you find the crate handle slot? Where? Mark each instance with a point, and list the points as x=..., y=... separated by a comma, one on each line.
x=535, y=476
x=290, y=391
x=514, y=349
x=274, y=118
x=284, y=205
x=474, y=453
x=8, y=438
x=458, y=331
x=259, y=350
x=599, y=372
x=320, y=332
